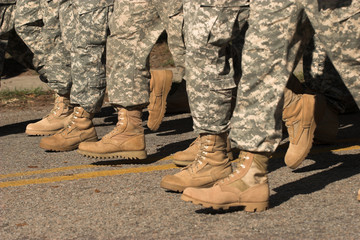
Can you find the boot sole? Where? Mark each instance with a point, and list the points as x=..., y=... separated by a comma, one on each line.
x=40, y=133
x=64, y=149
x=179, y=188
x=295, y=164
x=248, y=206
x=58, y=149
x=141, y=155
x=166, y=90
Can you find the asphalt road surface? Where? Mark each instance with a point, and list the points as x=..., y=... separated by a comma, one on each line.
x=46, y=195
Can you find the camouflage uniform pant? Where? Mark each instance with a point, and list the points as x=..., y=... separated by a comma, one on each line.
x=76, y=64
x=29, y=21
x=321, y=76
x=214, y=32
x=268, y=62
x=135, y=26
x=7, y=8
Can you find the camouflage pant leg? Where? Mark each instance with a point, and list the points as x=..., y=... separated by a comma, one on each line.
x=19, y=51
x=338, y=31
x=6, y=17
x=6, y=24
x=88, y=52
x=209, y=35
x=256, y=122
x=171, y=15
x=134, y=27
x=28, y=25
x=321, y=76
x=60, y=28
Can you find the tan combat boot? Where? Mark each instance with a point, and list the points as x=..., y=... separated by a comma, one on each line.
x=247, y=186
x=187, y=156
x=358, y=197
x=58, y=118
x=211, y=164
x=126, y=140
x=160, y=85
x=80, y=129
x=298, y=115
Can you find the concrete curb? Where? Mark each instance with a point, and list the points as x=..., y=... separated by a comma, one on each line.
x=30, y=82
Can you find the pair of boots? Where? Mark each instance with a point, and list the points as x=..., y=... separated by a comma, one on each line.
x=210, y=181
x=307, y=118
x=68, y=125
x=247, y=186
x=73, y=127
x=127, y=139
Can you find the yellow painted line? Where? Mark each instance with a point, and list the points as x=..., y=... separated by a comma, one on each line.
x=356, y=147
x=61, y=169
x=117, y=172
x=52, y=170
x=86, y=175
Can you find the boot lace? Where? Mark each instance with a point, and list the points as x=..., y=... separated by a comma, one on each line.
x=71, y=124
x=55, y=109
x=118, y=127
x=199, y=160
x=240, y=166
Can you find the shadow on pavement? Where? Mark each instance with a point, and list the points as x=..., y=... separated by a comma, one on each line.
x=173, y=127
x=15, y=128
x=160, y=154
x=335, y=168
x=346, y=167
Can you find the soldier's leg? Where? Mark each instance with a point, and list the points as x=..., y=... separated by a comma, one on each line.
x=278, y=18
x=341, y=41
x=19, y=51
x=256, y=121
x=28, y=25
x=6, y=25
x=322, y=77
x=88, y=53
x=170, y=13
x=59, y=27
x=90, y=21
x=134, y=28
x=209, y=36
x=58, y=68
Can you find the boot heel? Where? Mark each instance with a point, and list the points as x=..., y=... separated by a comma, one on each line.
x=256, y=207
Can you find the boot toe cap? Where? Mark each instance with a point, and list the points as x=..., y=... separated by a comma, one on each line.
x=86, y=146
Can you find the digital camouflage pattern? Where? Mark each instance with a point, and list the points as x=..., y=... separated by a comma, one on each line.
x=135, y=26
x=172, y=18
x=321, y=76
x=76, y=63
x=88, y=52
x=214, y=32
x=29, y=19
x=58, y=61
x=269, y=56
x=7, y=8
